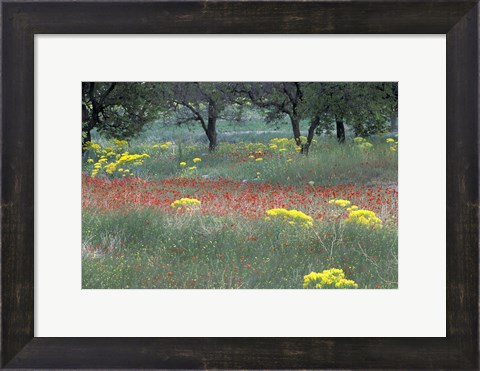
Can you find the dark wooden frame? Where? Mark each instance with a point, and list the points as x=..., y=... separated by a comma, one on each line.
x=459, y=20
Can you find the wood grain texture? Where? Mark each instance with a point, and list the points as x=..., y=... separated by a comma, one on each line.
x=17, y=219
x=238, y=353
x=21, y=20
x=463, y=181
x=240, y=17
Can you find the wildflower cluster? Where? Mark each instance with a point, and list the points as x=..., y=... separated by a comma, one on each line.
x=90, y=146
x=280, y=143
x=252, y=147
x=362, y=143
x=190, y=168
x=187, y=203
x=275, y=146
x=163, y=146
x=112, y=162
x=393, y=143
x=364, y=217
x=328, y=279
x=257, y=156
x=292, y=217
x=285, y=144
x=341, y=203
x=120, y=143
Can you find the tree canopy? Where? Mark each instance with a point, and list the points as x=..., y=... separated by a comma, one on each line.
x=122, y=109
x=117, y=109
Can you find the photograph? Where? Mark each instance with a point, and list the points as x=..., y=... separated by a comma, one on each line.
x=239, y=185
x=240, y=145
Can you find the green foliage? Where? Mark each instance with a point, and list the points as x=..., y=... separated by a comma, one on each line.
x=365, y=106
x=123, y=110
x=119, y=110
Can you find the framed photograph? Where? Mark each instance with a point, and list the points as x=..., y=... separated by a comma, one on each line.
x=145, y=229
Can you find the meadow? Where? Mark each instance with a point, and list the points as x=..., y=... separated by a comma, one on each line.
x=163, y=212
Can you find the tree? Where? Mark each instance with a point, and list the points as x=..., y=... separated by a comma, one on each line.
x=366, y=106
x=371, y=106
x=391, y=96
x=117, y=109
x=328, y=102
x=200, y=102
x=278, y=99
x=313, y=97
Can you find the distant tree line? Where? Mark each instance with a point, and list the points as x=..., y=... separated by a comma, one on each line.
x=122, y=109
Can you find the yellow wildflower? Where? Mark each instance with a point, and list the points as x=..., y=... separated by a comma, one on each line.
x=120, y=143
x=110, y=168
x=91, y=146
x=290, y=216
x=341, y=203
x=329, y=279
x=186, y=202
x=366, y=218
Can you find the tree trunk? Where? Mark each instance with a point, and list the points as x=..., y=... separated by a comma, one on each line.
x=295, y=120
x=91, y=117
x=212, y=126
x=85, y=127
x=340, y=131
x=311, y=132
x=212, y=141
x=88, y=136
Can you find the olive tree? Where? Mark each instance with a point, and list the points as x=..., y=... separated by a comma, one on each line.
x=117, y=109
x=201, y=102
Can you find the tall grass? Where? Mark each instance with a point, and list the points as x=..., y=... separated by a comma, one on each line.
x=146, y=249
x=327, y=163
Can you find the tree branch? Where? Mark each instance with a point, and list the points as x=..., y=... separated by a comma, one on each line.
x=197, y=114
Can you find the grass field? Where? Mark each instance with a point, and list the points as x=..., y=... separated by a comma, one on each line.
x=235, y=227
